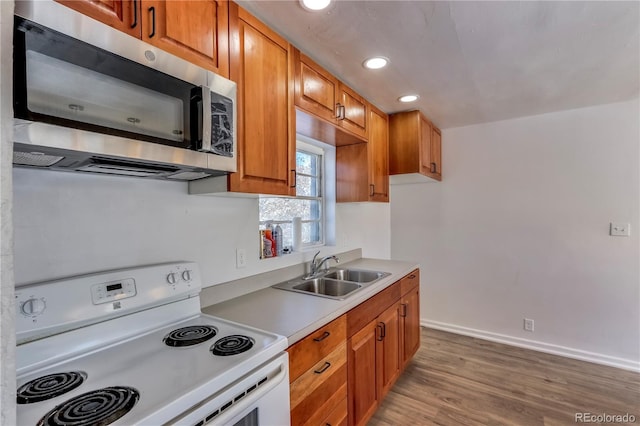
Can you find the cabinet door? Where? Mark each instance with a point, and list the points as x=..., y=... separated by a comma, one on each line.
x=388, y=349
x=195, y=30
x=315, y=89
x=425, y=146
x=123, y=15
x=361, y=365
x=262, y=67
x=378, y=148
x=436, y=153
x=410, y=324
x=353, y=116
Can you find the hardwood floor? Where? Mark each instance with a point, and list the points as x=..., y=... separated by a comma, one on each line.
x=459, y=380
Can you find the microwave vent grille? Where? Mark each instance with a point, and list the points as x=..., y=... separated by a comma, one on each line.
x=36, y=159
x=189, y=175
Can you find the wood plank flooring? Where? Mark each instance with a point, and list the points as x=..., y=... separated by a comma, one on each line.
x=459, y=380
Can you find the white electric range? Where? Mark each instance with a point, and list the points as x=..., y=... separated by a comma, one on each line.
x=131, y=347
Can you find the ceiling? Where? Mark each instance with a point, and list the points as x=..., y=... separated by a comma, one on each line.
x=472, y=62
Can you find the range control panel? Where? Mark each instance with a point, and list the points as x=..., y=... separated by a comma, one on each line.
x=114, y=290
x=52, y=307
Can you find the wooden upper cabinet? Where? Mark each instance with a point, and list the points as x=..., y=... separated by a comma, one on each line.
x=414, y=145
x=123, y=15
x=378, y=148
x=315, y=88
x=362, y=170
x=322, y=96
x=195, y=30
x=352, y=114
x=436, y=152
x=262, y=66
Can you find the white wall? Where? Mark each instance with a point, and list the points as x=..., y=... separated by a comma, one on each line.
x=7, y=308
x=519, y=228
x=71, y=223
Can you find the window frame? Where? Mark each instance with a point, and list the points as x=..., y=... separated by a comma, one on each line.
x=309, y=149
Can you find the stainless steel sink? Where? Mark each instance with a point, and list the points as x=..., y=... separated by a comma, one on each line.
x=355, y=275
x=327, y=287
x=335, y=284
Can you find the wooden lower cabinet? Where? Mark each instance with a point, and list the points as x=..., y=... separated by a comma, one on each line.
x=361, y=360
x=374, y=363
x=318, y=376
x=410, y=322
x=341, y=372
x=388, y=349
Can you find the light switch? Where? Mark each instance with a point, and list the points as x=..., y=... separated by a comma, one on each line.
x=620, y=229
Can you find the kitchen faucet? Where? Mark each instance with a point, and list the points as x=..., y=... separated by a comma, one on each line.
x=314, y=267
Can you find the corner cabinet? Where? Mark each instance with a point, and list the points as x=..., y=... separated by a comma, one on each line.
x=362, y=170
x=195, y=30
x=262, y=66
x=414, y=147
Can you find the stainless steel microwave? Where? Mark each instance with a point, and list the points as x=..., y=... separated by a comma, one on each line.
x=90, y=98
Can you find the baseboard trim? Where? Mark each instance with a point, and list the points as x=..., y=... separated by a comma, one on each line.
x=564, y=351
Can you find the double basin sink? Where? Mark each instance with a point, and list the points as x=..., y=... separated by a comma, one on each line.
x=334, y=283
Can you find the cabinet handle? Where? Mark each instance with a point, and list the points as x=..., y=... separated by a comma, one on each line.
x=152, y=10
x=135, y=14
x=383, y=331
x=343, y=112
x=434, y=168
x=373, y=190
x=321, y=338
x=338, y=109
x=295, y=178
x=412, y=276
x=379, y=332
x=403, y=313
x=324, y=368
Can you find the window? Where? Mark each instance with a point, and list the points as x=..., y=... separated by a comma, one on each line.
x=308, y=203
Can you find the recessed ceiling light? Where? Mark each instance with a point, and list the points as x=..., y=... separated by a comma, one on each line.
x=408, y=98
x=315, y=4
x=375, y=63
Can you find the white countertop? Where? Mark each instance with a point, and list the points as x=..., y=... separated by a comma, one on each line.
x=295, y=315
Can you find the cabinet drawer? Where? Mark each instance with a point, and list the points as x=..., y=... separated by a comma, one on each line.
x=311, y=392
x=410, y=282
x=337, y=417
x=316, y=346
x=367, y=311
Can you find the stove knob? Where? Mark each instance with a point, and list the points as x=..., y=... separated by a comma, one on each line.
x=186, y=275
x=33, y=307
x=171, y=278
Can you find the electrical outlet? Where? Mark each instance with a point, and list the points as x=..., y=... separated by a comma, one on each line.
x=528, y=324
x=241, y=258
x=620, y=229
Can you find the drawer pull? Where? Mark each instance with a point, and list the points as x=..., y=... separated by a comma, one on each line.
x=412, y=276
x=323, y=369
x=321, y=338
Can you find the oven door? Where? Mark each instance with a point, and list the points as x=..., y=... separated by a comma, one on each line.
x=261, y=398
